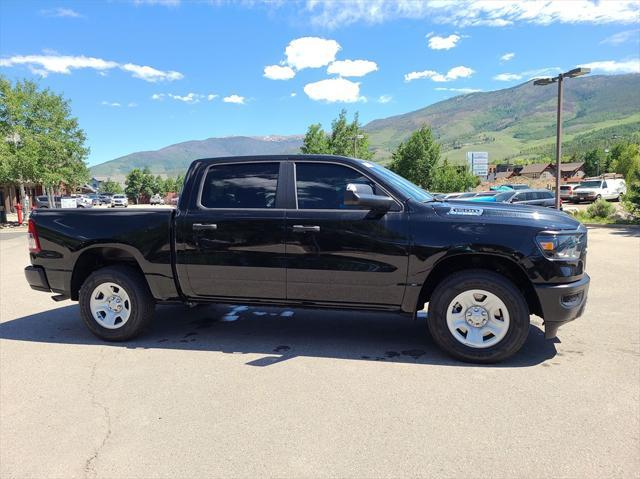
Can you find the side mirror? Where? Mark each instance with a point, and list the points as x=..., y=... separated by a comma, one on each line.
x=358, y=194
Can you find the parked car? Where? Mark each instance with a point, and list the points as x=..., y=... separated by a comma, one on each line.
x=592, y=190
x=156, y=200
x=119, y=200
x=95, y=199
x=510, y=186
x=323, y=231
x=43, y=201
x=521, y=197
x=567, y=192
x=175, y=200
x=84, y=201
x=105, y=198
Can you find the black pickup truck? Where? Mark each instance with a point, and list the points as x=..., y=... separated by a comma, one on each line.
x=319, y=231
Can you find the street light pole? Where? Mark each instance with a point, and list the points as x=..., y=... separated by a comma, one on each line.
x=558, y=141
x=576, y=72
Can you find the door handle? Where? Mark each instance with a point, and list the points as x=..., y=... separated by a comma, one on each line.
x=204, y=226
x=303, y=228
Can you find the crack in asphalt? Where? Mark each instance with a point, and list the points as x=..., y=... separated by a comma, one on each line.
x=90, y=463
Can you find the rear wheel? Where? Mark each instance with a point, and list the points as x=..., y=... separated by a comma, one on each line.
x=478, y=316
x=115, y=303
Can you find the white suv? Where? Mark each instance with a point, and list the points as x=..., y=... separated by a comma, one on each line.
x=592, y=190
x=119, y=200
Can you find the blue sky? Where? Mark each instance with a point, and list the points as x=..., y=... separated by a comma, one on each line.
x=145, y=74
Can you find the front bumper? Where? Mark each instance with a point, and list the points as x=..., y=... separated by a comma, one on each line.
x=37, y=278
x=562, y=303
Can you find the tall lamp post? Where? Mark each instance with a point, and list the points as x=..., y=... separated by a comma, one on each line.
x=576, y=72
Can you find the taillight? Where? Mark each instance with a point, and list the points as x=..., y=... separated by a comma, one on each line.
x=32, y=235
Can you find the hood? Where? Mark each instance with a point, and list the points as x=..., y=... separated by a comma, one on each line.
x=506, y=213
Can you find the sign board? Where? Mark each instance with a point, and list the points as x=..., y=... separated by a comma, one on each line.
x=68, y=203
x=478, y=162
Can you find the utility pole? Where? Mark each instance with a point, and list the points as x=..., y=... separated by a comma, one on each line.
x=576, y=72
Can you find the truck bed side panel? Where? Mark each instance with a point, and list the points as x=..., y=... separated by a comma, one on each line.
x=145, y=234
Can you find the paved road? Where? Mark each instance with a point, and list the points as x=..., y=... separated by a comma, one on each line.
x=291, y=393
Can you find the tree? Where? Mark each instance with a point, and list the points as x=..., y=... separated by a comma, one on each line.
x=632, y=198
x=343, y=140
x=170, y=185
x=134, y=183
x=315, y=141
x=40, y=141
x=110, y=186
x=448, y=178
x=416, y=158
x=594, y=162
x=625, y=158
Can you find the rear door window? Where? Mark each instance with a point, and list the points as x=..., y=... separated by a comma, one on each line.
x=241, y=186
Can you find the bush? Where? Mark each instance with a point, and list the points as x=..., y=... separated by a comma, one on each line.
x=600, y=209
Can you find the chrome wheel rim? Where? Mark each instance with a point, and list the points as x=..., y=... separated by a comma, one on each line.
x=478, y=318
x=110, y=305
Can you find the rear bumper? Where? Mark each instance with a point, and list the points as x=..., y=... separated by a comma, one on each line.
x=37, y=278
x=562, y=303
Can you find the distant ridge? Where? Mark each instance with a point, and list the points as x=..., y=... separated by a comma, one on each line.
x=517, y=121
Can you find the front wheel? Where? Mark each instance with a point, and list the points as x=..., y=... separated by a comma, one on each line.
x=478, y=316
x=115, y=303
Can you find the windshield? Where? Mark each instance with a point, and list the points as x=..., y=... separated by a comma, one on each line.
x=119, y=197
x=401, y=184
x=590, y=184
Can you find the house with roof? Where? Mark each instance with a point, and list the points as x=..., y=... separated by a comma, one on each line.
x=538, y=170
x=572, y=170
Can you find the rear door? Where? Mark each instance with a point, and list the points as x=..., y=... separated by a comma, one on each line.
x=338, y=254
x=232, y=238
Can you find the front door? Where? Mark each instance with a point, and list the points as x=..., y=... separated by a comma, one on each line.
x=339, y=254
x=233, y=241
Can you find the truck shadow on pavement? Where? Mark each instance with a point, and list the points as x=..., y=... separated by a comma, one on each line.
x=278, y=334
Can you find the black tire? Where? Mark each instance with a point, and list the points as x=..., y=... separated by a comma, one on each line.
x=142, y=303
x=494, y=283
x=598, y=197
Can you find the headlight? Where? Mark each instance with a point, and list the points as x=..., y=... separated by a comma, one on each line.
x=562, y=246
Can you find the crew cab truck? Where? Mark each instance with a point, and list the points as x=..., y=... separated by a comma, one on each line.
x=319, y=231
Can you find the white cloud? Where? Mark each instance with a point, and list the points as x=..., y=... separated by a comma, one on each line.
x=234, y=99
x=453, y=74
x=508, y=77
x=151, y=74
x=157, y=96
x=114, y=104
x=60, y=12
x=188, y=98
x=45, y=64
x=311, y=52
x=334, y=90
x=384, y=99
x=443, y=43
x=132, y=104
x=529, y=74
x=212, y=96
x=278, y=72
x=293, y=94
x=623, y=37
x=614, y=67
x=464, y=13
x=459, y=90
x=507, y=56
x=352, y=68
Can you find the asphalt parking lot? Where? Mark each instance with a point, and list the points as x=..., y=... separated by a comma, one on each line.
x=253, y=392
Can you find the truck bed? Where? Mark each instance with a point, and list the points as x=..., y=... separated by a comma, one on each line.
x=71, y=235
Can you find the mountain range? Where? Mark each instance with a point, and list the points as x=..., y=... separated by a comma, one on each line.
x=508, y=123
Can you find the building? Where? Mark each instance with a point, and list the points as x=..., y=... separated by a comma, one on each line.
x=538, y=170
x=572, y=170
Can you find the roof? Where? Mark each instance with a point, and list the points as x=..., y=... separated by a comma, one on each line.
x=504, y=174
x=571, y=166
x=535, y=168
x=295, y=157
